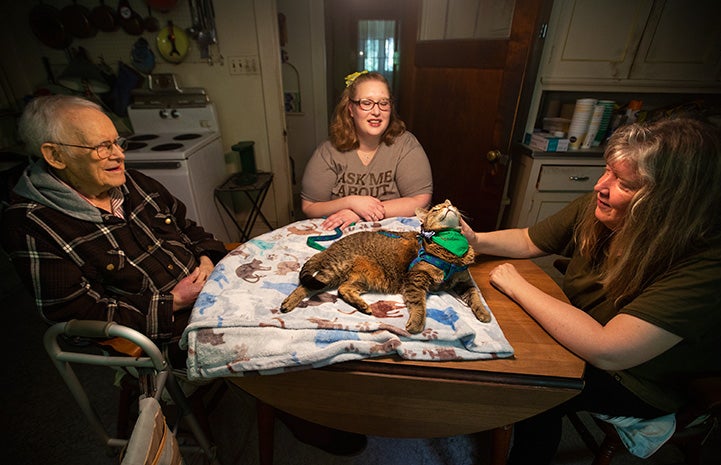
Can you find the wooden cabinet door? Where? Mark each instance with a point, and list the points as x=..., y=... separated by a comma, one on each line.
x=594, y=39
x=682, y=42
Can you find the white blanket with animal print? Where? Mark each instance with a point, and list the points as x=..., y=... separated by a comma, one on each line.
x=236, y=328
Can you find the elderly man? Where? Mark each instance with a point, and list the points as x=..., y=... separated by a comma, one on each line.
x=91, y=240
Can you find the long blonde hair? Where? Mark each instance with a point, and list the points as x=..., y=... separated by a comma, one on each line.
x=676, y=212
x=342, y=129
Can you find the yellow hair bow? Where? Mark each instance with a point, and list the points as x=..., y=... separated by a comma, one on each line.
x=352, y=77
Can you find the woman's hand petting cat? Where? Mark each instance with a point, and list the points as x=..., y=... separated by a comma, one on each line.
x=506, y=279
x=468, y=232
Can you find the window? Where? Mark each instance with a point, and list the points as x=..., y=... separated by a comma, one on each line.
x=377, y=43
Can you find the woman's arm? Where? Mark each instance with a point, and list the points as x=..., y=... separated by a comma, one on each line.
x=344, y=211
x=406, y=206
x=625, y=341
x=513, y=243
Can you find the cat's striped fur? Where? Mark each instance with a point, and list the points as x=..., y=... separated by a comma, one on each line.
x=378, y=262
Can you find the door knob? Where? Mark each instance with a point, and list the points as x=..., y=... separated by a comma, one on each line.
x=493, y=156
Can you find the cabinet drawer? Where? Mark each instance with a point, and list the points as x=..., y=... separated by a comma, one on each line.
x=580, y=178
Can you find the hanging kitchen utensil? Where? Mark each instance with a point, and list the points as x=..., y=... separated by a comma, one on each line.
x=76, y=19
x=143, y=59
x=203, y=15
x=194, y=28
x=151, y=23
x=104, y=18
x=172, y=43
x=130, y=20
x=47, y=26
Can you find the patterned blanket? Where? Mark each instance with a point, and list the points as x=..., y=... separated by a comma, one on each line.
x=236, y=328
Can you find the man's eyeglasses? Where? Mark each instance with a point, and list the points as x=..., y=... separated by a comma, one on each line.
x=104, y=149
x=367, y=104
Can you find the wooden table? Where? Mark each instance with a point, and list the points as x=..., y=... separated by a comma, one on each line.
x=394, y=397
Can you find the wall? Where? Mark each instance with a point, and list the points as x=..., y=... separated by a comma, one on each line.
x=305, y=49
x=250, y=107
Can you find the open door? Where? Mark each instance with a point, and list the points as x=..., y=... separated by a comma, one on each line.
x=467, y=103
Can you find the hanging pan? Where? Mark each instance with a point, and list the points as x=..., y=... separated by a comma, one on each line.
x=104, y=17
x=130, y=20
x=76, y=19
x=47, y=26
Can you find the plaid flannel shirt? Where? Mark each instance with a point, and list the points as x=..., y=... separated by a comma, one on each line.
x=118, y=270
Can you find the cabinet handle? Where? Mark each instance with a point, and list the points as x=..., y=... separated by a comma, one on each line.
x=578, y=178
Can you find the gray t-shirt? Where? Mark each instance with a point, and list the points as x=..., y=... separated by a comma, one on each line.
x=398, y=170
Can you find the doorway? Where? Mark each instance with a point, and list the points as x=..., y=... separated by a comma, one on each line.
x=374, y=35
x=462, y=92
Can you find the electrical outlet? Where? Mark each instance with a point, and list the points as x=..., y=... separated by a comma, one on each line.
x=243, y=65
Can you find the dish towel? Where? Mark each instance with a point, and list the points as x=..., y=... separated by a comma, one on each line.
x=236, y=328
x=642, y=437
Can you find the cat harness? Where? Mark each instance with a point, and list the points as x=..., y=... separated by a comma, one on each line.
x=451, y=240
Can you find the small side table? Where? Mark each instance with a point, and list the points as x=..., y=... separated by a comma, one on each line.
x=255, y=192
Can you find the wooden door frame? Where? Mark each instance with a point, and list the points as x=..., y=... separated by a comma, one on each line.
x=408, y=13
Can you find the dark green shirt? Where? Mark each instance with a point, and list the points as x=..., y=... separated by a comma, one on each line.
x=685, y=301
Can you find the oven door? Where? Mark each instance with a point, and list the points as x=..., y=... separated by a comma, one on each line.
x=174, y=175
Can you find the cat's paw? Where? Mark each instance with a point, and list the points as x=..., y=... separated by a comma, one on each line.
x=415, y=324
x=481, y=314
x=362, y=306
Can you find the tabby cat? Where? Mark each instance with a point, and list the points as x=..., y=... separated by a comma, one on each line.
x=407, y=263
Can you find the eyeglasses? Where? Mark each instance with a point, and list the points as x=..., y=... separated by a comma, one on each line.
x=104, y=149
x=367, y=104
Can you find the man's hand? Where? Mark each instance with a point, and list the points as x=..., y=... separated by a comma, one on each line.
x=188, y=289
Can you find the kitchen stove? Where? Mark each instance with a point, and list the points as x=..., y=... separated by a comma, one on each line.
x=176, y=141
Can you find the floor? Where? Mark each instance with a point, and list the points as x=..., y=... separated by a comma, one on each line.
x=42, y=424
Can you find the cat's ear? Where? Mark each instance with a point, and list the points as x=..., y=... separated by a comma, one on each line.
x=421, y=213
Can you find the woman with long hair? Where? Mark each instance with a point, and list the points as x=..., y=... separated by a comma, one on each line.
x=642, y=281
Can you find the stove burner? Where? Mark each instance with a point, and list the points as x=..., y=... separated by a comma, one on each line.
x=166, y=147
x=142, y=137
x=132, y=145
x=188, y=136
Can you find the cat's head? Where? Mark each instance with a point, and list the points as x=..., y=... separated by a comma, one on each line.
x=439, y=217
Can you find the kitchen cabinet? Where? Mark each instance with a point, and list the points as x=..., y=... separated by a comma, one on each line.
x=635, y=43
x=542, y=183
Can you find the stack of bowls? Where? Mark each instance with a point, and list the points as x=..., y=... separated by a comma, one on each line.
x=593, y=126
x=582, y=113
x=605, y=121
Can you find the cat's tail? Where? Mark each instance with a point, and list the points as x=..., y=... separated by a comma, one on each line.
x=313, y=277
x=319, y=273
